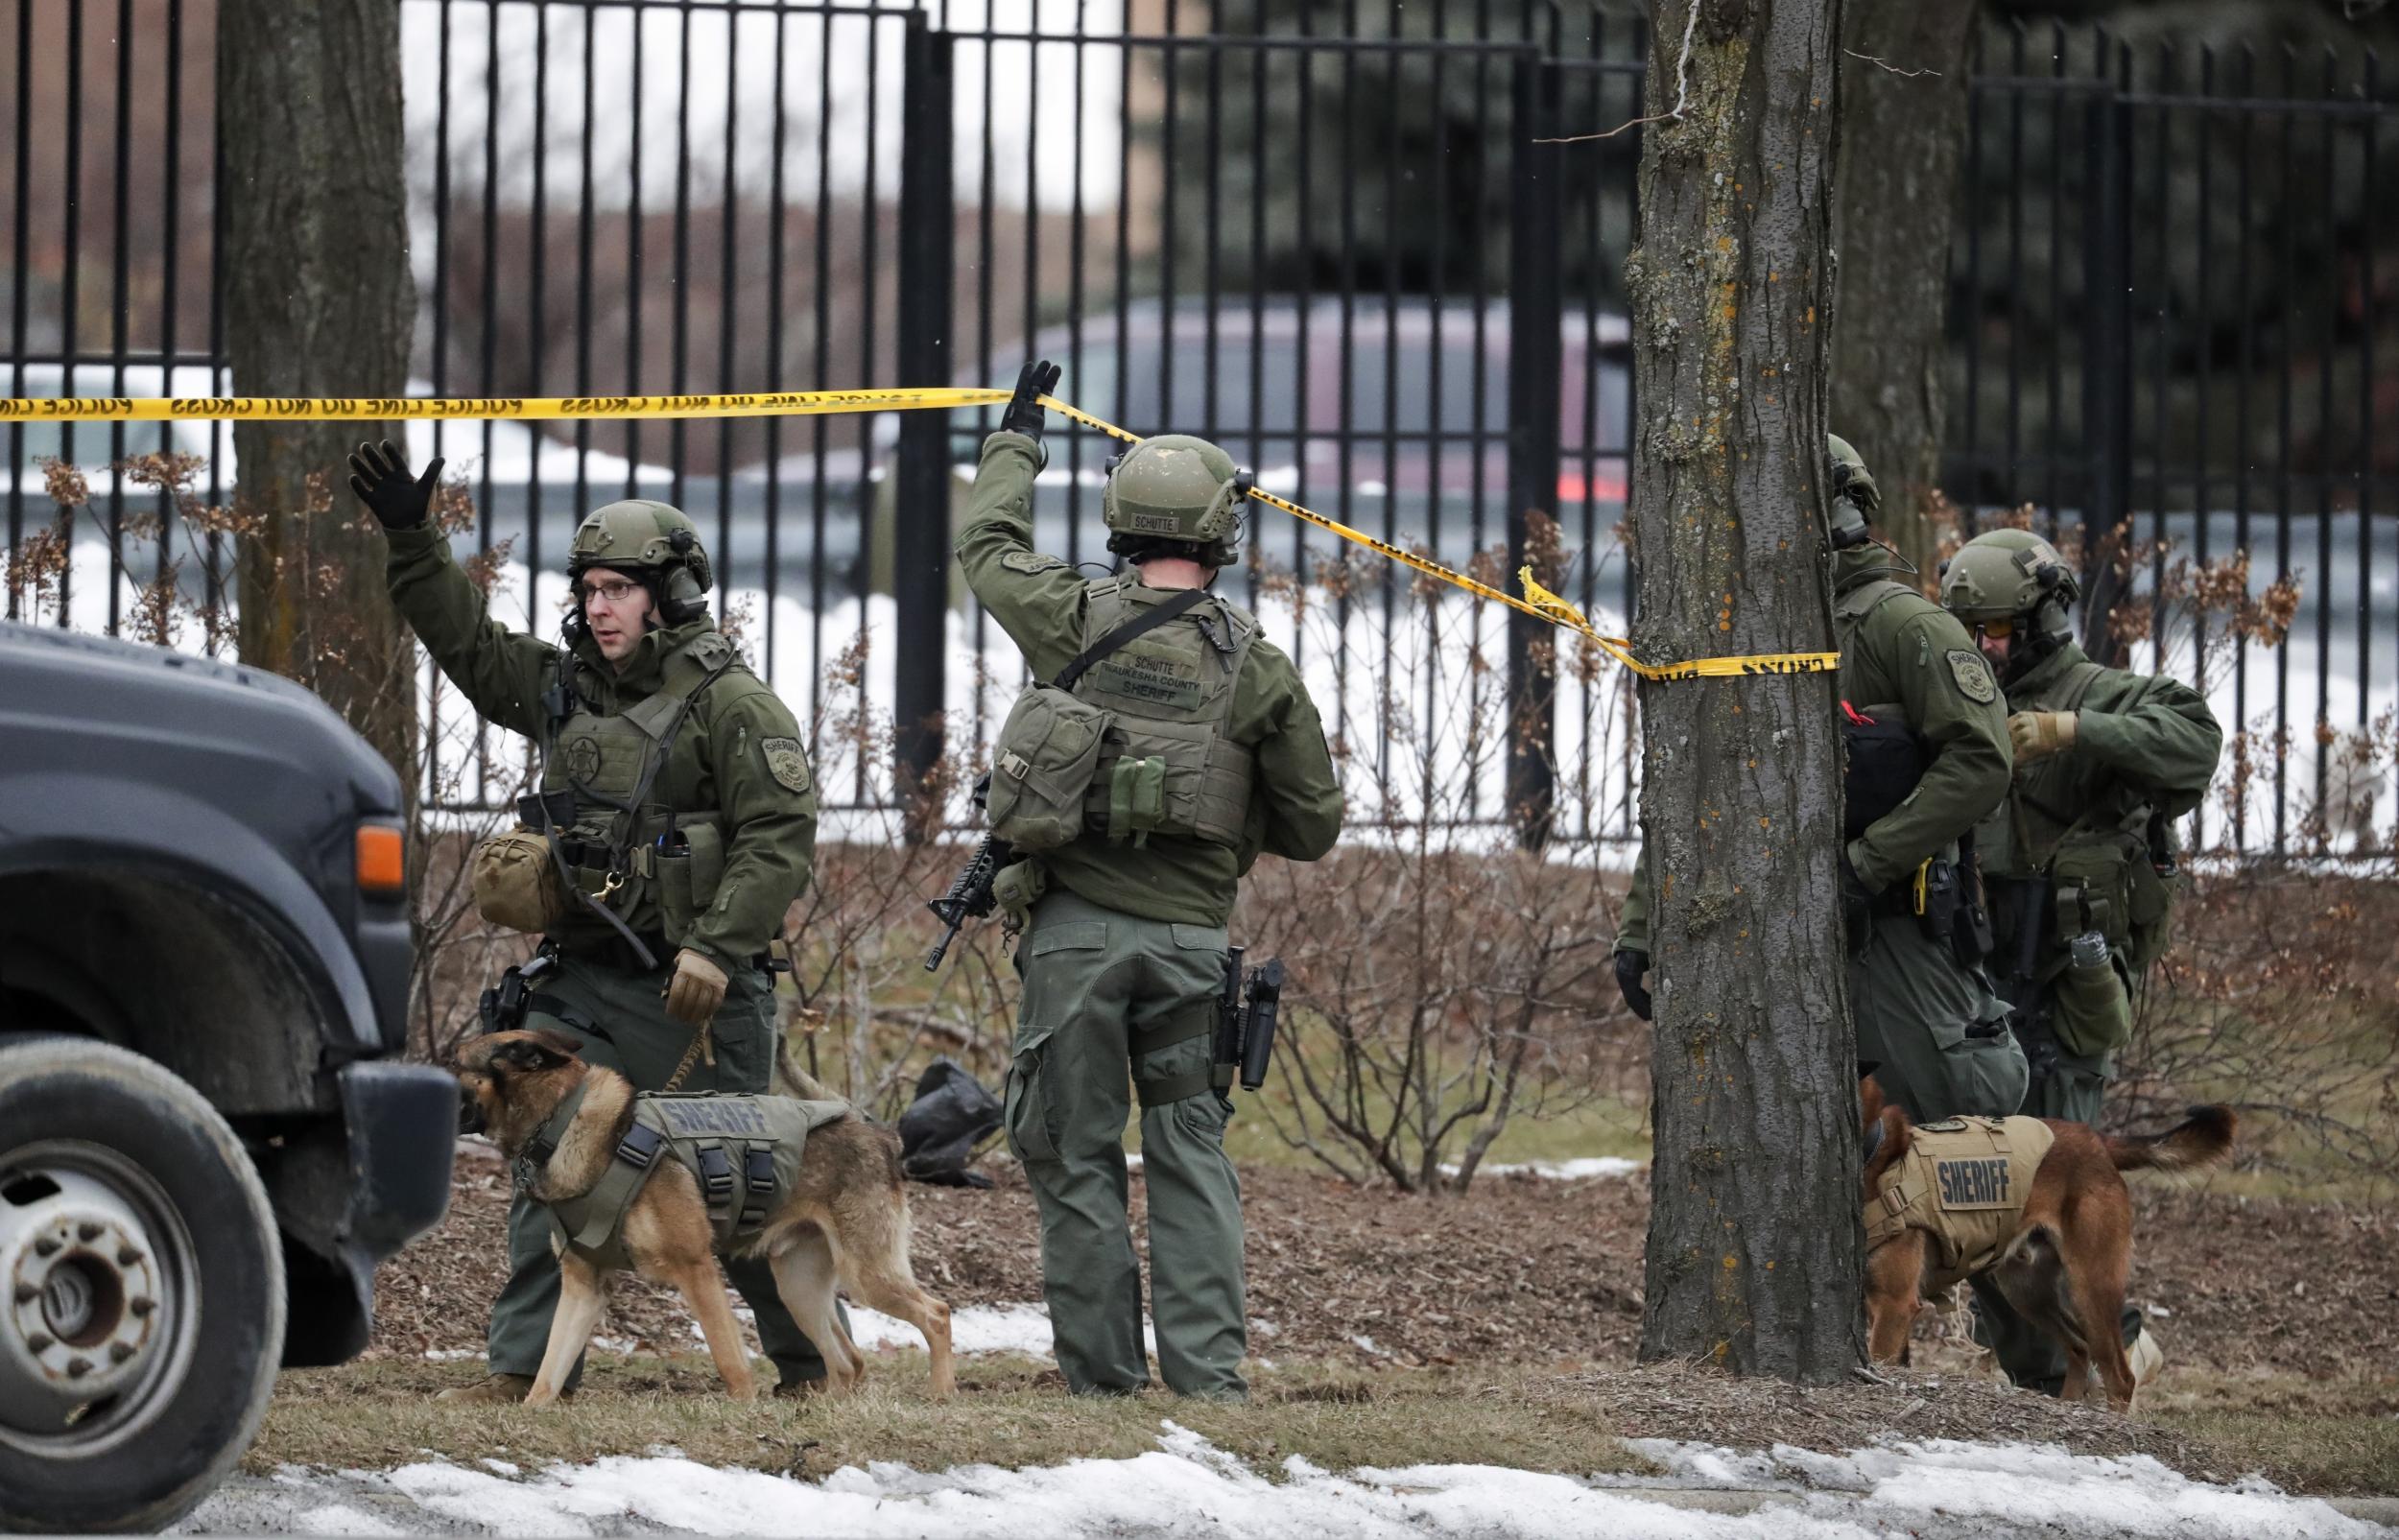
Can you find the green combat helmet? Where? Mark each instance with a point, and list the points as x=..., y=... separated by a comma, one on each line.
x=1856, y=499
x=639, y=535
x=1174, y=488
x=2015, y=580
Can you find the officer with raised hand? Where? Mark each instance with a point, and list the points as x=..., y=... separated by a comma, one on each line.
x=2078, y=857
x=1927, y=757
x=1200, y=750
x=675, y=827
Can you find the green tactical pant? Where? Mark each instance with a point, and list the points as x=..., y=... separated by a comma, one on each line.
x=620, y=1017
x=1108, y=998
x=1935, y=1030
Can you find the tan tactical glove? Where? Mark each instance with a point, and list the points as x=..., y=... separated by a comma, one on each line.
x=2035, y=735
x=697, y=989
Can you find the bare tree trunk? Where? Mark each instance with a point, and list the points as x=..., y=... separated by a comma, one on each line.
x=1903, y=122
x=1754, y=1247
x=318, y=301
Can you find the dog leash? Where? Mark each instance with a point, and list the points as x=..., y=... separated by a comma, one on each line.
x=700, y=1043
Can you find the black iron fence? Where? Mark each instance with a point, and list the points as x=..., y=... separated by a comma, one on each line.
x=1330, y=240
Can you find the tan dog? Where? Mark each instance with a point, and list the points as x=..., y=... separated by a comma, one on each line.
x=844, y=1219
x=2058, y=1246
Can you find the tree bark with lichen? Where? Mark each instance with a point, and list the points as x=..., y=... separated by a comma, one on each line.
x=319, y=302
x=1902, y=127
x=1754, y=1249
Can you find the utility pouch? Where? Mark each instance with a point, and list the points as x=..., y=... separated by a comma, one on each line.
x=1883, y=761
x=1136, y=799
x=1937, y=899
x=515, y=882
x=1045, y=758
x=2091, y=876
x=545, y=811
x=1018, y=887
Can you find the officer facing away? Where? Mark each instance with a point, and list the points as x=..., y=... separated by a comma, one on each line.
x=675, y=828
x=2079, y=857
x=1211, y=753
x=1927, y=756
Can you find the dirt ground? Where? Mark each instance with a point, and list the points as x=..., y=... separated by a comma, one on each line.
x=1520, y=1269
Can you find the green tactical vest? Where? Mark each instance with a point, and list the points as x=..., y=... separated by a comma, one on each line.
x=1166, y=766
x=656, y=868
x=743, y=1152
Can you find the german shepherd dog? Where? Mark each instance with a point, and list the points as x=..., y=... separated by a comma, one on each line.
x=2066, y=1261
x=846, y=1221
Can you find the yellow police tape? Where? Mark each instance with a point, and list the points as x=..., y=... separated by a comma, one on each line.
x=1536, y=601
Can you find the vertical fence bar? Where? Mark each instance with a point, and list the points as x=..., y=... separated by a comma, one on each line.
x=921, y=540
x=2107, y=367
x=2323, y=454
x=2202, y=481
x=170, y=251
x=583, y=266
x=19, y=317
x=636, y=221
x=538, y=269
x=2288, y=220
x=2161, y=358
x=440, y=271
x=70, y=285
x=120, y=318
x=729, y=278
x=775, y=216
x=678, y=336
x=1532, y=365
x=2241, y=407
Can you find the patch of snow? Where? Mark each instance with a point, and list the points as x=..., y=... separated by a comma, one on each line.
x=1188, y=1487
x=973, y=1329
x=500, y=1467
x=453, y=1355
x=1583, y=1168
x=2038, y=1488
x=340, y=1518
x=1367, y=1344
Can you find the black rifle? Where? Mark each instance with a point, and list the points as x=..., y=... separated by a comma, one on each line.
x=1245, y=1028
x=970, y=895
x=2028, y=1012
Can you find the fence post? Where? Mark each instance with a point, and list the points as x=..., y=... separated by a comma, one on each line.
x=1533, y=360
x=921, y=567
x=2106, y=359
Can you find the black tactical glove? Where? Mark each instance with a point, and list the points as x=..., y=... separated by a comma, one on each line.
x=380, y=478
x=1630, y=968
x=1857, y=905
x=1024, y=414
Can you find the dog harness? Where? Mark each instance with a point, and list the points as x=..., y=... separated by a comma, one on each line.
x=743, y=1152
x=1962, y=1182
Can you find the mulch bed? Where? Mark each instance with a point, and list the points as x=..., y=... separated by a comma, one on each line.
x=1519, y=1268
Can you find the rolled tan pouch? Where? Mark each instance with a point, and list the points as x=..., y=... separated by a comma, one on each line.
x=515, y=882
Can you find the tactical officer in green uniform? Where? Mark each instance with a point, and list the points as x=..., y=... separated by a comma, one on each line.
x=2077, y=860
x=675, y=828
x=1928, y=757
x=1211, y=753
x=2078, y=857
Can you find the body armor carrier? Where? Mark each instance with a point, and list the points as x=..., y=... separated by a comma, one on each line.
x=743, y=1152
x=1962, y=1182
x=1166, y=766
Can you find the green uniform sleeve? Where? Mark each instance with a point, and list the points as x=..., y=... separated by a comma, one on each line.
x=501, y=671
x=1297, y=791
x=1936, y=666
x=767, y=798
x=1632, y=921
x=2163, y=740
x=1037, y=599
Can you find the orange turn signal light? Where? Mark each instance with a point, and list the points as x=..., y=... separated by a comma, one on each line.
x=380, y=868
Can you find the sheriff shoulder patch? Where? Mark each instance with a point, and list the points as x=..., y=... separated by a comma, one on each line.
x=1029, y=561
x=1973, y=676
x=785, y=763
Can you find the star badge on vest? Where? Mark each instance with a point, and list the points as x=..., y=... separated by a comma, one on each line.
x=785, y=763
x=1973, y=676
x=582, y=759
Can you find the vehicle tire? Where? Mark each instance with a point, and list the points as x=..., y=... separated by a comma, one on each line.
x=138, y=1259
